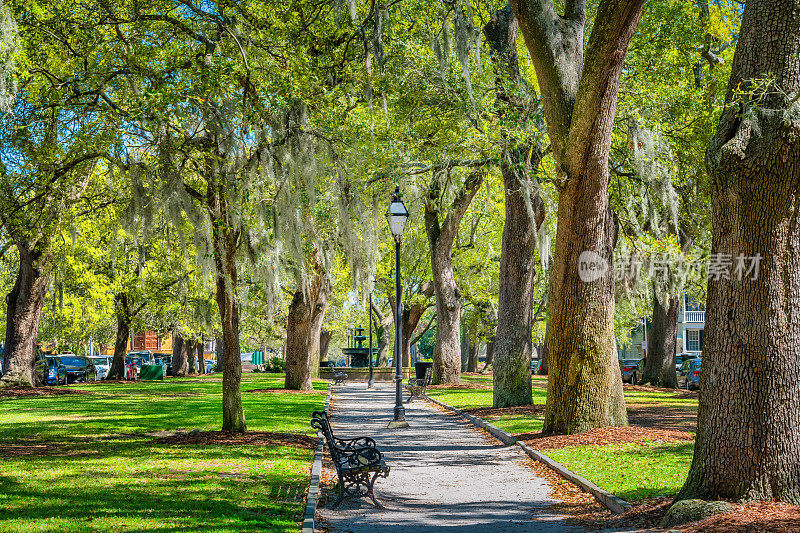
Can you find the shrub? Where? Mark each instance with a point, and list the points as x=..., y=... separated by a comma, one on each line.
x=275, y=364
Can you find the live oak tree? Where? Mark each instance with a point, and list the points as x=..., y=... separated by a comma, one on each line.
x=525, y=213
x=748, y=427
x=580, y=87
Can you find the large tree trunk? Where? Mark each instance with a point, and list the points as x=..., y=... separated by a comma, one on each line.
x=659, y=366
x=303, y=328
x=472, y=358
x=584, y=389
x=191, y=348
x=748, y=434
x=324, y=342
x=123, y=313
x=24, y=308
x=180, y=363
x=447, y=351
x=513, y=343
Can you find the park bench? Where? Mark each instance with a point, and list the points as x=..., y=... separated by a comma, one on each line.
x=417, y=386
x=358, y=461
x=339, y=377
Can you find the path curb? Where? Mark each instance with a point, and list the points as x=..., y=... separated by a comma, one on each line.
x=613, y=503
x=313, y=483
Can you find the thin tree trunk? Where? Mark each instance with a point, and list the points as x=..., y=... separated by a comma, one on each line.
x=472, y=361
x=384, y=332
x=24, y=309
x=545, y=355
x=201, y=362
x=584, y=389
x=123, y=313
x=748, y=422
x=191, y=348
x=303, y=328
x=447, y=351
x=659, y=366
x=180, y=363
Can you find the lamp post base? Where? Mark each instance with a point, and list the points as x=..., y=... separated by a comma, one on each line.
x=398, y=424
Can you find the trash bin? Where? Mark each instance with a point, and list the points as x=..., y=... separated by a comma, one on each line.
x=151, y=372
x=420, y=367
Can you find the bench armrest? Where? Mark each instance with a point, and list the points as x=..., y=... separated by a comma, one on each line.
x=355, y=458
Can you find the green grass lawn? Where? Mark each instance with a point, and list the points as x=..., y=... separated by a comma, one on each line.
x=85, y=462
x=632, y=471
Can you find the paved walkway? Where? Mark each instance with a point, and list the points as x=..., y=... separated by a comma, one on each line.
x=446, y=475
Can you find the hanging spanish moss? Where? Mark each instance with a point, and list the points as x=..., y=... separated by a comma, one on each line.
x=9, y=48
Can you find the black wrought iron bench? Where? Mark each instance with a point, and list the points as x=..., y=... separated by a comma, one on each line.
x=358, y=461
x=339, y=377
x=417, y=387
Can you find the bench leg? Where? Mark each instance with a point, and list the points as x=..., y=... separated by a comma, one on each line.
x=359, y=485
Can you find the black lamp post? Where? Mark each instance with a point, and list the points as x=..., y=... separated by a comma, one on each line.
x=397, y=215
x=371, y=382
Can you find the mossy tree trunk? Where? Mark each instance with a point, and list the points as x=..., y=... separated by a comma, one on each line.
x=584, y=388
x=191, y=349
x=659, y=367
x=303, y=328
x=748, y=423
x=441, y=236
x=24, y=309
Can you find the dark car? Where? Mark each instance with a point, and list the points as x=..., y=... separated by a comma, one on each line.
x=689, y=374
x=165, y=360
x=79, y=369
x=630, y=370
x=55, y=373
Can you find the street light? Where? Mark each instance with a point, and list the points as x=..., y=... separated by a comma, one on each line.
x=397, y=216
x=371, y=382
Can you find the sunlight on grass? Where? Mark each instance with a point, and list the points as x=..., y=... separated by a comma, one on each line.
x=89, y=465
x=631, y=471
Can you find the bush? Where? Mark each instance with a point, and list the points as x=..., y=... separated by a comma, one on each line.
x=275, y=364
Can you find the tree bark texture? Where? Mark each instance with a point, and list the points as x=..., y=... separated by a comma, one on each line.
x=180, y=361
x=748, y=425
x=513, y=341
x=659, y=367
x=24, y=309
x=447, y=351
x=122, y=310
x=303, y=328
x=191, y=349
x=383, y=330
x=545, y=355
x=225, y=243
x=201, y=361
x=324, y=343
x=579, y=98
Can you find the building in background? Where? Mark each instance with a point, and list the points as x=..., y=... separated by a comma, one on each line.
x=689, y=334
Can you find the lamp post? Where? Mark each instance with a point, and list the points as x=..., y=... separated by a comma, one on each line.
x=397, y=215
x=371, y=382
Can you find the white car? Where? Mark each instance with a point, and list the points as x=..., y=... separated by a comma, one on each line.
x=102, y=364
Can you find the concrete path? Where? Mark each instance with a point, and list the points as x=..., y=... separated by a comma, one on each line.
x=446, y=475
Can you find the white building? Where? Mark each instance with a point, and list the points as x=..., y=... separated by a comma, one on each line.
x=689, y=335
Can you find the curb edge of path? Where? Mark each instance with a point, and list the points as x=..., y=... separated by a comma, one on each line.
x=613, y=503
x=313, y=483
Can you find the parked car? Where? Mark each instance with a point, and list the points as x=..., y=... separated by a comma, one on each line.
x=681, y=358
x=142, y=358
x=209, y=365
x=689, y=374
x=79, y=369
x=630, y=370
x=536, y=364
x=102, y=365
x=52, y=369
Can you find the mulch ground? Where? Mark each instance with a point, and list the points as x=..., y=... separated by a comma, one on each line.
x=286, y=391
x=751, y=517
x=604, y=436
x=251, y=438
x=31, y=392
